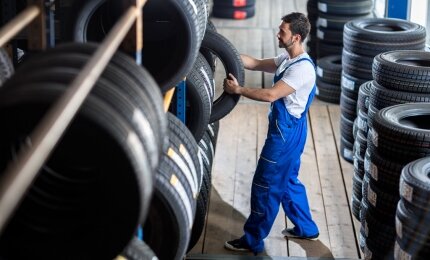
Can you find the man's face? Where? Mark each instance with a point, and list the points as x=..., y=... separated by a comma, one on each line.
x=285, y=37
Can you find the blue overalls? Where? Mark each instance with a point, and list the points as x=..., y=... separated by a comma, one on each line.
x=275, y=180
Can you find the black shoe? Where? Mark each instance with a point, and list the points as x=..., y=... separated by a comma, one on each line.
x=290, y=233
x=237, y=245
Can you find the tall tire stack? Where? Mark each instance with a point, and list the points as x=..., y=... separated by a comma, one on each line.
x=360, y=152
x=233, y=9
x=207, y=147
x=413, y=210
x=312, y=8
x=329, y=70
x=332, y=16
x=399, y=134
x=363, y=39
x=79, y=205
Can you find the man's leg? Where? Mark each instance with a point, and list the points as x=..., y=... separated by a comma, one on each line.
x=296, y=206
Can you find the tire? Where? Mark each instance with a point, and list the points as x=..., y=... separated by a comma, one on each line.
x=346, y=150
x=415, y=185
x=138, y=250
x=407, y=71
x=330, y=36
x=232, y=62
x=167, y=63
x=363, y=99
x=210, y=58
x=335, y=22
x=402, y=133
x=350, y=85
x=199, y=98
x=329, y=69
x=352, y=7
x=372, y=36
x=327, y=48
x=348, y=107
x=75, y=192
x=358, y=66
x=234, y=3
x=236, y=13
x=6, y=66
x=327, y=92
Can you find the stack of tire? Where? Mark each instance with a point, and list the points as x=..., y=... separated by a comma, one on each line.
x=363, y=39
x=413, y=209
x=329, y=70
x=360, y=131
x=399, y=134
x=312, y=8
x=233, y=9
x=332, y=16
x=95, y=189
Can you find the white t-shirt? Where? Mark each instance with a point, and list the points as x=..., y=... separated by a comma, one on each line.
x=301, y=77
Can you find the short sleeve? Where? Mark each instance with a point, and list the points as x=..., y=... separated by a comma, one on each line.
x=280, y=58
x=300, y=74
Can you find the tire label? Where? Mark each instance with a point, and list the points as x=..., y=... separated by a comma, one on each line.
x=317, y=91
x=355, y=162
x=322, y=22
x=367, y=164
x=320, y=34
x=399, y=254
x=374, y=137
x=406, y=190
x=366, y=228
x=362, y=124
x=373, y=171
x=399, y=228
x=322, y=7
x=347, y=153
x=371, y=195
x=347, y=83
x=320, y=71
x=185, y=170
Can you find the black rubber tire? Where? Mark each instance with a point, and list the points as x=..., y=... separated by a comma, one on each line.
x=363, y=99
x=190, y=154
x=327, y=48
x=355, y=207
x=350, y=85
x=402, y=132
x=234, y=3
x=403, y=70
x=147, y=87
x=346, y=150
x=381, y=97
x=415, y=185
x=210, y=58
x=199, y=98
x=360, y=146
x=327, y=92
x=412, y=233
x=89, y=208
x=330, y=36
x=167, y=63
x=336, y=21
x=348, y=107
x=358, y=66
x=383, y=172
x=6, y=66
x=372, y=36
x=351, y=7
x=138, y=250
x=171, y=214
x=227, y=53
x=236, y=13
x=329, y=69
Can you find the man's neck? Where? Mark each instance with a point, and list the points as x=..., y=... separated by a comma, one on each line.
x=295, y=51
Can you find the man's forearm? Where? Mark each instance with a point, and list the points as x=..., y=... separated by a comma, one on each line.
x=256, y=94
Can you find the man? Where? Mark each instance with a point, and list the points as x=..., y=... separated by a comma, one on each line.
x=275, y=180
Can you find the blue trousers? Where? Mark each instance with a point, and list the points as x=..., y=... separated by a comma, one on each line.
x=275, y=182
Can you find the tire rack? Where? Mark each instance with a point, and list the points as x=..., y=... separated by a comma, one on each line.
x=20, y=173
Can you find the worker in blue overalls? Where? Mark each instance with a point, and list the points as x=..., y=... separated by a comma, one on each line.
x=275, y=180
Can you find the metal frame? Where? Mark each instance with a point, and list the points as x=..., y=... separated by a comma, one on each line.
x=20, y=173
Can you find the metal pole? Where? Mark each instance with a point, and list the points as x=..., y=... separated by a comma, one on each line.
x=13, y=27
x=20, y=174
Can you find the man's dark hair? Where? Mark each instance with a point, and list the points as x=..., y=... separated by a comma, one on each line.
x=299, y=24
